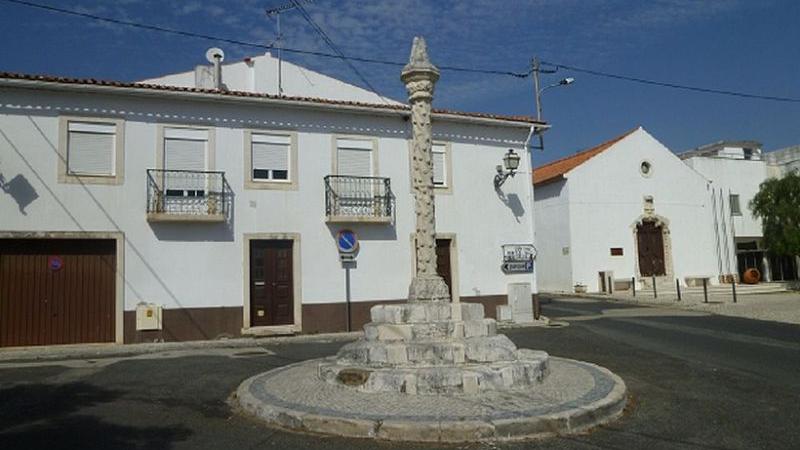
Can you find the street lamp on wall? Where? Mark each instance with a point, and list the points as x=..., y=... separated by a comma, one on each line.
x=508, y=169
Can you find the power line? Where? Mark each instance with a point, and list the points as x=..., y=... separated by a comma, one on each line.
x=672, y=85
x=250, y=44
x=333, y=47
x=400, y=64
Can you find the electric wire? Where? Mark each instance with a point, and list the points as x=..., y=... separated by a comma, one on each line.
x=346, y=58
x=333, y=47
x=250, y=44
x=671, y=85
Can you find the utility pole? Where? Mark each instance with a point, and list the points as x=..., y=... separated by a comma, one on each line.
x=536, y=69
x=537, y=96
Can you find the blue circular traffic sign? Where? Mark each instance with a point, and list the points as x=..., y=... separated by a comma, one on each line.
x=347, y=241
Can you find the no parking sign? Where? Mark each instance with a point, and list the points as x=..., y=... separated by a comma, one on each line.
x=347, y=243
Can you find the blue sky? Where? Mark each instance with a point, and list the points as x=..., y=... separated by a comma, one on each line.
x=737, y=45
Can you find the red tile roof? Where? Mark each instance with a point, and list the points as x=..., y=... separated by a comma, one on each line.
x=308, y=100
x=555, y=170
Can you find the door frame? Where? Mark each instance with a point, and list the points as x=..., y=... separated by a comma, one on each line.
x=456, y=294
x=119, y=279
x=297, y=326
x=666, y=241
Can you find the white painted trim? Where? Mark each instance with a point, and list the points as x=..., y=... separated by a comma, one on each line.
x=119, y=151
x=220, y=98
x=293, y=183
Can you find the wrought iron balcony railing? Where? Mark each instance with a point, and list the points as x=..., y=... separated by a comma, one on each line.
x=186, y=195
x=358, y=199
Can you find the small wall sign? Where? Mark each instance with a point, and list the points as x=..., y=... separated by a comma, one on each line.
x=55, y=263
x=518, y=258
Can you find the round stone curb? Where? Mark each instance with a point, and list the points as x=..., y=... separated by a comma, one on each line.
x=594, y=397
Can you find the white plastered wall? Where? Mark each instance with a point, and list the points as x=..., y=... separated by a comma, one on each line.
x=201, y=265
x=553, y=239
x=606, y=196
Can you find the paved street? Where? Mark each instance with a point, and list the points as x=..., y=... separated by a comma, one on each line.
x=696, y=381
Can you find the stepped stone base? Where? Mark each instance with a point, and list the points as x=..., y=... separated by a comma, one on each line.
x=432, y=348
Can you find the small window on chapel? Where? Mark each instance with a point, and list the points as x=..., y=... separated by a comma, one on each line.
x=646, y=168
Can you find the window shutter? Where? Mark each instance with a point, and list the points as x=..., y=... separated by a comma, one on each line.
x=271, y=152
x=90, y=148
x=439, y=166
x=354, y=158
x=184, y=154
x=185, y=149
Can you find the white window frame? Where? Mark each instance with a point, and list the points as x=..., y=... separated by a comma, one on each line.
x=257, y=183
x=445, y=154
x=118, y=154
x=738, y=211
x=447, y=187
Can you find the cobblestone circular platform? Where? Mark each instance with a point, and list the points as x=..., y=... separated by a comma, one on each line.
x=575, y=396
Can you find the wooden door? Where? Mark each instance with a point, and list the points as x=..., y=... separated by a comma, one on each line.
x=651, y=249
x=57, y=291
x=443, y=267
x=271, y=283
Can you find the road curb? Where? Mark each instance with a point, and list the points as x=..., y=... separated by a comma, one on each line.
x=98, y=351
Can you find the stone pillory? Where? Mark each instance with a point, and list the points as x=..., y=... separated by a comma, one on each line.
x=429, y=369
x=429, y=345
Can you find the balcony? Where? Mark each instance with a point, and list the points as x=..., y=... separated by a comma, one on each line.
x=187, y=196
x=350, y=199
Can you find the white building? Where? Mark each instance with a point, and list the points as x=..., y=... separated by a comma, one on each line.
x=222, y=206
x=627, y=209
x=780, y=162
x=737, y=169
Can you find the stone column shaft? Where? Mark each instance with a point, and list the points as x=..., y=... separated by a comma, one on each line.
x=419, y=76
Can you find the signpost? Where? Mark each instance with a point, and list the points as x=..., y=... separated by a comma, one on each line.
x=518, y=258
x=347, y=243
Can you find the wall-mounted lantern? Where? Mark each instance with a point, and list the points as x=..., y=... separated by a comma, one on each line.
x=511, y=164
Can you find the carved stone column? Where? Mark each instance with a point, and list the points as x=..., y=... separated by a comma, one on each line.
x=419, y=76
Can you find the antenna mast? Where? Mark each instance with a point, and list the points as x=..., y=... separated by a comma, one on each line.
x=276, y=12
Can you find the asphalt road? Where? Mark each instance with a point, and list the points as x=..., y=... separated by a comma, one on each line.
x=695, y=381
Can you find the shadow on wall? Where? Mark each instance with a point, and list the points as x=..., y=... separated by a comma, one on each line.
x=42, y=416
x=512, y=202
x=93, y=200
x=200, y=232
x=20, y=189
x=372, y=232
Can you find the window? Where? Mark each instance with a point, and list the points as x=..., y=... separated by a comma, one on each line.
x=270, y=155
x=748, y=153
x=439, y=165
x=616, y=251
x=185, y=154
x=646, y=168
x=734, y=203
x=354, y=157
x=90, y=150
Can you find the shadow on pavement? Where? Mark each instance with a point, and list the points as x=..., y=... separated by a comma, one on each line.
x=41, y=415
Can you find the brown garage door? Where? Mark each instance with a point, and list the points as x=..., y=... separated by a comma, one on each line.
x=57, y=291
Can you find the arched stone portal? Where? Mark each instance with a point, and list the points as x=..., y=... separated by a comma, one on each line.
x=653, y=247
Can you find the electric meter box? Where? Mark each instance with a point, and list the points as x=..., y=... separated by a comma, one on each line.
x=148, y=317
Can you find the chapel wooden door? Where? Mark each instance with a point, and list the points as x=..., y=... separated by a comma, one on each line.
x=271, y=285
x=651, y=249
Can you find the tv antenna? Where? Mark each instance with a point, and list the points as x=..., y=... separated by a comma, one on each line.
x=278, y=43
